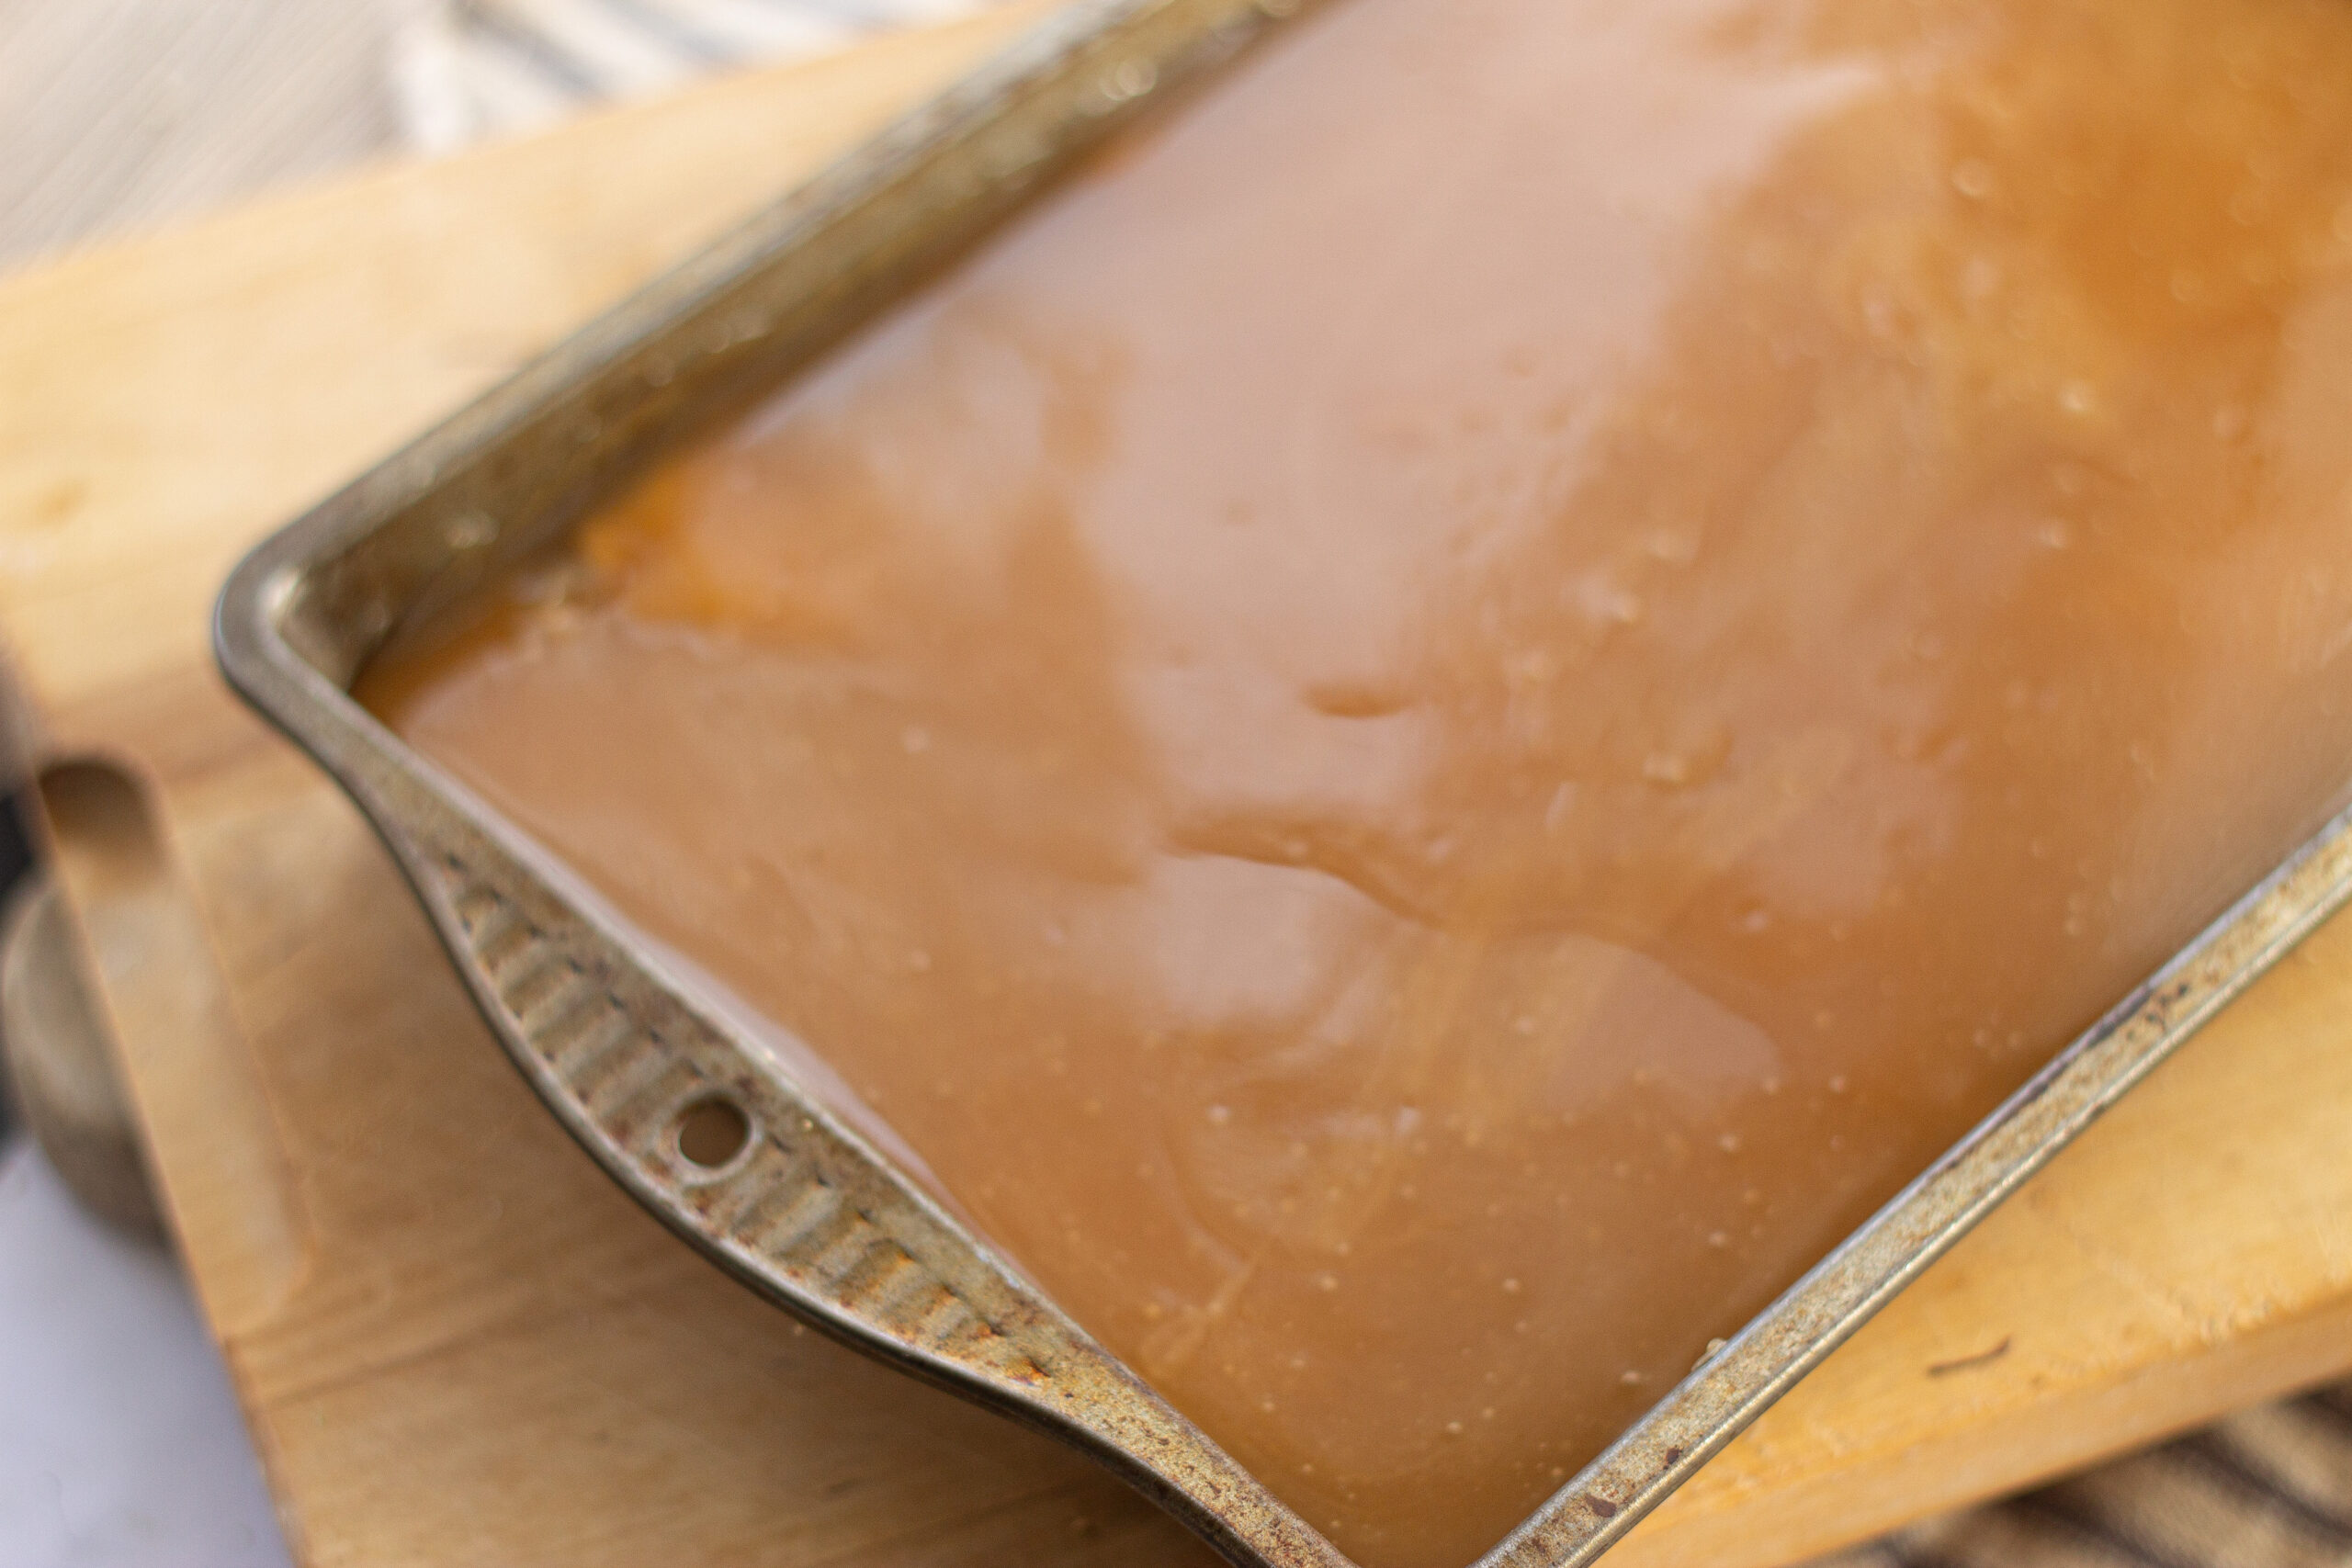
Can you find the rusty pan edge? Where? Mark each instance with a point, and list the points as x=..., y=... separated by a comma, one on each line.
x=809, y=1213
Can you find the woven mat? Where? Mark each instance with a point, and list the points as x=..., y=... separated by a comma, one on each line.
x=2269, y=1489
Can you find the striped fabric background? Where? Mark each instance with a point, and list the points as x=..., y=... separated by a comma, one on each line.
x=2269, y=1489
x=468, y=69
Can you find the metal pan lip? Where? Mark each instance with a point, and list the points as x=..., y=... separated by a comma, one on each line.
x=1105, y=57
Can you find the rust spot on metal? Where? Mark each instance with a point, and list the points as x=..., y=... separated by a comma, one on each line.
x=344, y=584
x=1965, y=1363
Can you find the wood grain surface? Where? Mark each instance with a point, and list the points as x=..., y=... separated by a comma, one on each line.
x=455, y=1340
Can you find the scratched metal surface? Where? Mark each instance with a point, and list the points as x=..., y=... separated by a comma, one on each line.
x=627, y=1055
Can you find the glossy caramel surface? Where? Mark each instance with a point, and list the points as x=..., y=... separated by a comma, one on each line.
x=1424, y=733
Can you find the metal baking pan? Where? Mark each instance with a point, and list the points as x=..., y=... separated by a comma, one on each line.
x=626, y=1052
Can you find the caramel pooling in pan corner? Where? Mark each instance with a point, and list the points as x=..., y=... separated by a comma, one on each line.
x=1432, y=727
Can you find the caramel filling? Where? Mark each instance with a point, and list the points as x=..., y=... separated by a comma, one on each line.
x=1427, y=731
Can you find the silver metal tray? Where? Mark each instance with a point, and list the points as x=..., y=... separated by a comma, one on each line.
x=808, y=1212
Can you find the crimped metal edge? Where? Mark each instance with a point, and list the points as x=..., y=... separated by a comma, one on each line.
x=809, y=1213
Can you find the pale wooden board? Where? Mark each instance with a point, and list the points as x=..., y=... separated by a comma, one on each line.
x=458, y=1342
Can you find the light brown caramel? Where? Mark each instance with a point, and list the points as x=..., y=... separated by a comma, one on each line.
x=1426, y=732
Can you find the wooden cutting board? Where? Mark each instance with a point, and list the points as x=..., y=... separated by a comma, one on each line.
x=455, y=1340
